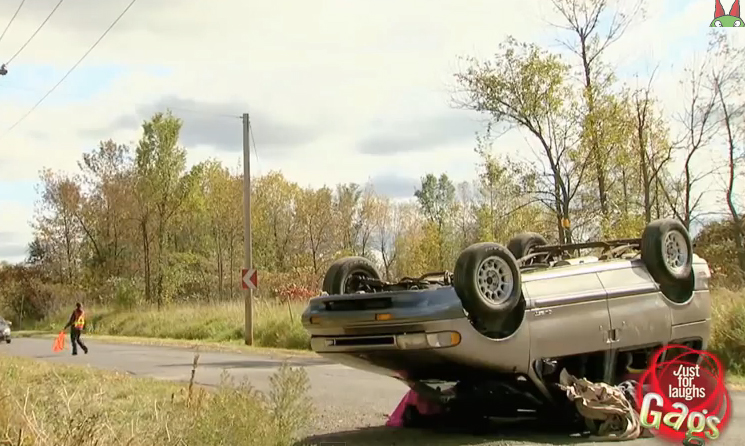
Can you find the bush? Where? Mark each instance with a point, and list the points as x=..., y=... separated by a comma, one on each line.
x=728, y=330
x=296, y=284
x=84, y=407
x=26, y=297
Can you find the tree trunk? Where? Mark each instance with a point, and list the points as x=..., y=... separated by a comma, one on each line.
x=232, y=265
x=146, y=255
x=597, y=156
x=736, y=218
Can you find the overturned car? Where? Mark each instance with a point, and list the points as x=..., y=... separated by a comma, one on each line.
x=507, y=321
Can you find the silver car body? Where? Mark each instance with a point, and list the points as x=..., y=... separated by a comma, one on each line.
x=588, y=306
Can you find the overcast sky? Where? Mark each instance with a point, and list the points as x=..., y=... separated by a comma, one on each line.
x=338, y=90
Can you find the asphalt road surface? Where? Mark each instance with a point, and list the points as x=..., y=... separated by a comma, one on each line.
x=352, y=405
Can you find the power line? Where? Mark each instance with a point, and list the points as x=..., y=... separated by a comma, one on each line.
x=172, y=107
x=12, y=19
x=253, y=142
x=71, y=69
x=35, y=32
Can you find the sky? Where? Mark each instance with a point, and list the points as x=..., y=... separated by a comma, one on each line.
x=337, y=91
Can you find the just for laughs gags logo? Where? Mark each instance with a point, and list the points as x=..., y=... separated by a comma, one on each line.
x=731, y=20
x=684, y=399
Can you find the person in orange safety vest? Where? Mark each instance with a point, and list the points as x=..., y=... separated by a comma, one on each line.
x=76, y=324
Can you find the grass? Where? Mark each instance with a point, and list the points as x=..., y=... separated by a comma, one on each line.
x=275, y=325
x=278, y=326
x=728, y=330
x=43, y=404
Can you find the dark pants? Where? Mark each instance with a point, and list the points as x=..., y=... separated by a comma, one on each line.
x=75, y=339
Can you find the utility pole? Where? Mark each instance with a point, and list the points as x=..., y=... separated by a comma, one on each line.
x=247, y=242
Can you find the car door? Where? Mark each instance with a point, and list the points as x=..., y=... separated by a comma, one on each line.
x=568, y=312
x=639, y=314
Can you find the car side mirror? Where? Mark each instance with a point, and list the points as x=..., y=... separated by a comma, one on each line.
x=10, y=324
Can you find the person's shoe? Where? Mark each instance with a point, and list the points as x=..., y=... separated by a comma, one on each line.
x=86, y=351
x=75, y=353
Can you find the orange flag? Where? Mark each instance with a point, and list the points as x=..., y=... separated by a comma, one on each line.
x=59, y=343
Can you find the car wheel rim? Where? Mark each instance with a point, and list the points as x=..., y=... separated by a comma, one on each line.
x=676, y=251
x=495, y=279
x=352, y=282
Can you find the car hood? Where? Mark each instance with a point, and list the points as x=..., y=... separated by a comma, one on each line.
x=3, y=325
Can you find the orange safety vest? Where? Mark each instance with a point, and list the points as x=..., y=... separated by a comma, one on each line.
x=80, y=321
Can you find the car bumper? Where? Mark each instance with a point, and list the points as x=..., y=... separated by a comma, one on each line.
x=447, y=350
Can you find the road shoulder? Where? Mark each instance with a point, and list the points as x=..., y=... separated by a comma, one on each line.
x=195, y=345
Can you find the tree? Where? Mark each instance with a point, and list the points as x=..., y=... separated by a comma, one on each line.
x=58, y=231
x=222, y=207
x=347, y=205
x=594, y=32
x=653, y=150
x=160, y=190
x=505, y=203
x=388, y=221
x=436, y=198
x=715, y=242
x=699, y=122
x=275, y=214
x=526, y=87
x=105, y=208
x=315, y=214
x=728, y=83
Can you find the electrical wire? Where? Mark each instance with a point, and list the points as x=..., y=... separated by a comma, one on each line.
x=12, y=19
x=253, y=142
x=71, y=69
x=128, y=104
x=35, y=32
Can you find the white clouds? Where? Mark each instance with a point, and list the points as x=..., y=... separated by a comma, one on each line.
x=346, y=70
x=15, y=232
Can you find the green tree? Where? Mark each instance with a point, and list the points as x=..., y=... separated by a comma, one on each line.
x=594, y=25
x=106, y=207
x=160, y=190
x=436, y=198
x=277, y=226
x=315, y=214
x=528, y=88
x=57, y=226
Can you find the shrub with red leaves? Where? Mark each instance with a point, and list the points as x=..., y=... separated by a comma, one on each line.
x=294, y=292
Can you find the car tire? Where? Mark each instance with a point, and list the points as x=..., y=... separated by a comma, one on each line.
x=335, y=280
x=473, y=280
x=7, y=341
x=667, y=252
x=522, y=244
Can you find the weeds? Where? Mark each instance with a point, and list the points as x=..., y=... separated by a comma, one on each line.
x=277, y=324
x=51, y=405
x=728, y=330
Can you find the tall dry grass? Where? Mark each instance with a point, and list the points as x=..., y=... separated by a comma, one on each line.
x=42, y=404
x=275, y=324
x=728, y=329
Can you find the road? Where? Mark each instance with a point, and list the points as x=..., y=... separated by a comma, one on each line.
x=352, y=405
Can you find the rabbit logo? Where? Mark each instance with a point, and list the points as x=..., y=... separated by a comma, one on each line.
x=726, y=20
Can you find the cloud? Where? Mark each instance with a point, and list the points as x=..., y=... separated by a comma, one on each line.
x=338, y=91
x=217, y=124
x=423, y=134
x=12, y=246
x=395, y=186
